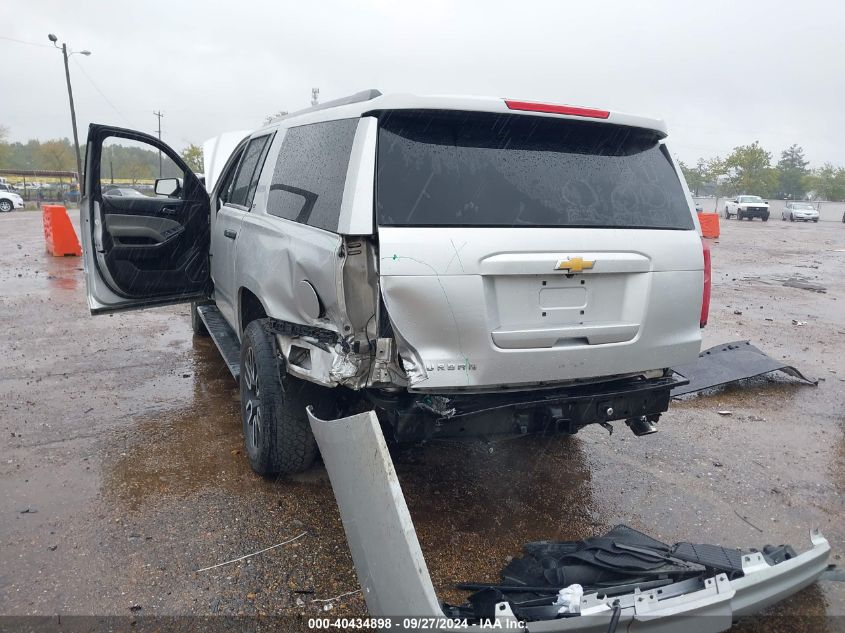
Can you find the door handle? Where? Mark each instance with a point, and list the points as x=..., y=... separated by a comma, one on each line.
x=169, y=211
x=230, y=233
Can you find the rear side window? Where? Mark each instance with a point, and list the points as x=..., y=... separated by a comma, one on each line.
x=310, y=173
x=439, y=168
x=246, y=178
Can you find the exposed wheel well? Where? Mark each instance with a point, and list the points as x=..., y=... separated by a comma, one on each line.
x=250, y=308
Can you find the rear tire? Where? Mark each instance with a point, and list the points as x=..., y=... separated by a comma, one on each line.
x=277, y=433
x=728, y=215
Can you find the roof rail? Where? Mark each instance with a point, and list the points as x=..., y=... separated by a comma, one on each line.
x=364, y=95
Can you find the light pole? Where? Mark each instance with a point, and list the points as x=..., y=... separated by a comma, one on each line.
x=65, y=54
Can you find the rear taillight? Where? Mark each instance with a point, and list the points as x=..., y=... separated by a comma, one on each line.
x=551, y=108
x=705, y=300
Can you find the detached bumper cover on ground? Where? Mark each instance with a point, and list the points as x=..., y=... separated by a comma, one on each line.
x=730, y=362
x=395, y=580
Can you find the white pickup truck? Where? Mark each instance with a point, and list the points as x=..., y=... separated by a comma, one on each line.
x=747, y=207
x=460, y=265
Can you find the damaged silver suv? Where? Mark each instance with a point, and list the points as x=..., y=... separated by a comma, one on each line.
x=460, y=265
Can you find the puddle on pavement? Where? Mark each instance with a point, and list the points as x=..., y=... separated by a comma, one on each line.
x=177, y=451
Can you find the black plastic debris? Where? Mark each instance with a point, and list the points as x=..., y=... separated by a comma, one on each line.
x=616, y=563
x=728, y=363
x=621, y=556
x=794, y=282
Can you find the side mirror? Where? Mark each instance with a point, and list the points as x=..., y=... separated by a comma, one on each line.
x=169, y=187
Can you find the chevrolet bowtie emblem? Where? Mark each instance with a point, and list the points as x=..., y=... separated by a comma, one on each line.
x=575, y=264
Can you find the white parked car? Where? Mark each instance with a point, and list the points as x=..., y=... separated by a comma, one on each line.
x=461, y=265
x=10, y=200
x=747, y=207
x=804, y=211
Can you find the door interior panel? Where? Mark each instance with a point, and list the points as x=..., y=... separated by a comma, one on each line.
x=128, y=230
x=151, y=246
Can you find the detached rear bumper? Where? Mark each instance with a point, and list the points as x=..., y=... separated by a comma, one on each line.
x=416, y=416
x=396, y=584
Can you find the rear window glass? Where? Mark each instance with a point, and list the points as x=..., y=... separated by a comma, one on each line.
x=310, y=173
x=476, y=169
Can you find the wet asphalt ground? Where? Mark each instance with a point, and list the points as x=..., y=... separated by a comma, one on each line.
x=123, y=473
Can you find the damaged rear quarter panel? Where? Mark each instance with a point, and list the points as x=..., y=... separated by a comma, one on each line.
x=292, y=253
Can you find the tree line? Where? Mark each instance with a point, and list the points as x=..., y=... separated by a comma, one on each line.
x=748, y=169
x=120, y=161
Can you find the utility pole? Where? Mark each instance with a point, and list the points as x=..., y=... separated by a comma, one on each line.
x=315, y=96
x=66, y=55
x=159, y=115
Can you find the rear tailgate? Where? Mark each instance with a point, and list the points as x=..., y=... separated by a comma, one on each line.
x=524, y=251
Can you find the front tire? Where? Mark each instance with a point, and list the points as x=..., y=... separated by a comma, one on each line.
x=277, y=434
x=765, y=218
x=5, y=206
x=791, y=217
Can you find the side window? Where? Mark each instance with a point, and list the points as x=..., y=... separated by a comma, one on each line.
x=254, y=182
x=225, y=186
x=250, y=167
x=129, y=168
x=310, y=173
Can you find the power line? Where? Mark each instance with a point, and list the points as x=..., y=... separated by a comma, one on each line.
x=102, y=94
x=12, y=39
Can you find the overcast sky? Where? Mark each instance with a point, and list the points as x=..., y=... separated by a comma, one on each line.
x=720, y=73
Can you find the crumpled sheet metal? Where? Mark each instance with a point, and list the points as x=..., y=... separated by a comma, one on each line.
x=728, y=363
x=395, y=581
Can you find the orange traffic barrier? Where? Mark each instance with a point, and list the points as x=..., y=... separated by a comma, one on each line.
x=709, y=224
x=58, y=231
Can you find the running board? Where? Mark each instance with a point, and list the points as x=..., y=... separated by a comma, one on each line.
x=224, y=337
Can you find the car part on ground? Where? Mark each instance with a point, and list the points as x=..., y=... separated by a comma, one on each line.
x=395, y=581
x=795, y=282
x=614, y=564
x=730, y=362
